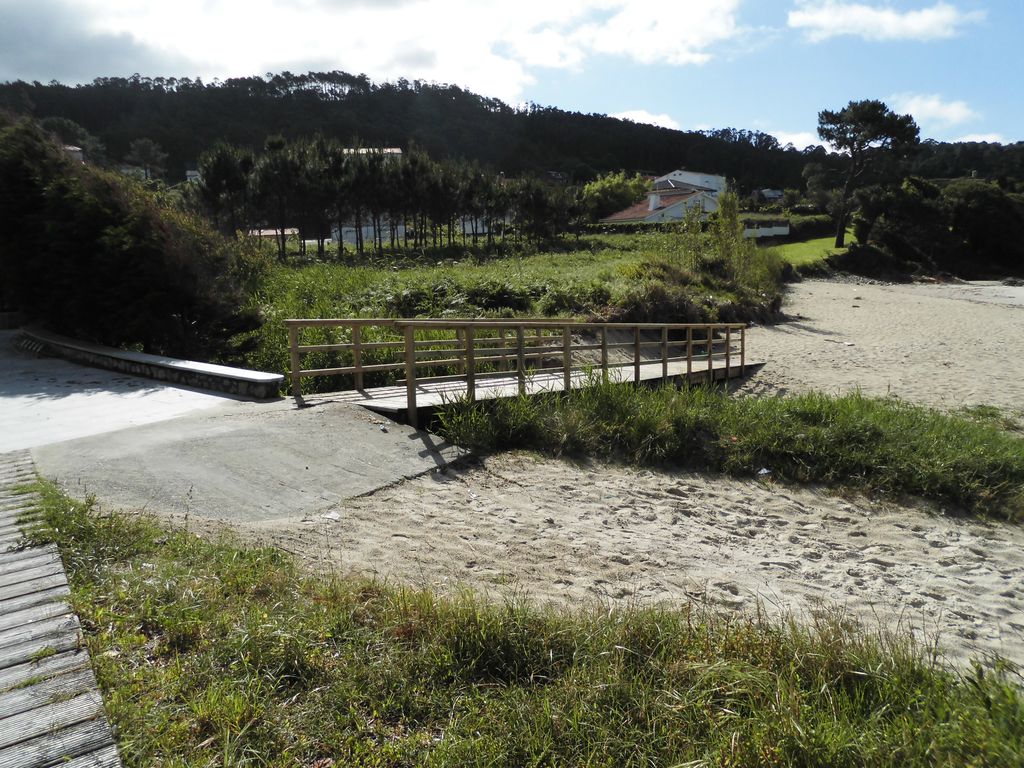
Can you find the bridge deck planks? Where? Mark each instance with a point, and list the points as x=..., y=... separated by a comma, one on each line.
x=431, y=394
x=51, y=712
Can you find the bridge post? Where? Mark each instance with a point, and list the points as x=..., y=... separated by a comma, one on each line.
x=410, y=376
x=469, y=335
x=636, y=355
x=293, y=345
x=604, y=353
x=728, y=351
x=567, y=358
x=689, y=352
x=664, y=354
x=521, y=359
x=460, y=350
x=710, y=333
x=743, y=351
x=357, y=354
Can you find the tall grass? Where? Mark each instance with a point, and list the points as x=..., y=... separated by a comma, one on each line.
x=675, y=276
x=872, y=444
x=213, y=655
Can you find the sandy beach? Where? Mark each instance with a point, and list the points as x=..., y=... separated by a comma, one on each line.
x=943, y=345
x=596, y=533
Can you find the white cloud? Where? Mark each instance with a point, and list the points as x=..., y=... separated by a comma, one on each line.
x=488, y=46
x=991, y=138
x=679, y=32
x=799, y=139
x=643, y=116
x=932, y=110
x=824, y=19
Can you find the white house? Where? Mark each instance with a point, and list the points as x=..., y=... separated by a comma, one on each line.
x=672, y=196
x=675, y=194
x=691, y=181
x=667, y=205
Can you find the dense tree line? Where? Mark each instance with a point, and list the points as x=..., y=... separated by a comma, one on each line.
x=966, y=227
x=100, y=256
x=186, y=117
x=320, y=187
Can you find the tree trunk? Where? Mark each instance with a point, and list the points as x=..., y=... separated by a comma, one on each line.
x=841, y=231
x=844, y=205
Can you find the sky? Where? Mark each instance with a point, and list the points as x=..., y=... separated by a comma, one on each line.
x=957, y=66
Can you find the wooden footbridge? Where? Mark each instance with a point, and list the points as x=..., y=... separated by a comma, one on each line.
x=396, y=365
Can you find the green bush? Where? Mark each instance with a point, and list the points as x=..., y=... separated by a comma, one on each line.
x=101, y=257
x=806, y=227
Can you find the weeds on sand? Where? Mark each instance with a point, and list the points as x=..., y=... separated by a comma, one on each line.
x=213, y=655
x=881, y=445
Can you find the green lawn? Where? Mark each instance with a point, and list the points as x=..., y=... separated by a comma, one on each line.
x=808, y=251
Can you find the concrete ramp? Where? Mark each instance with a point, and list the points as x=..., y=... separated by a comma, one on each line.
x=245, y=461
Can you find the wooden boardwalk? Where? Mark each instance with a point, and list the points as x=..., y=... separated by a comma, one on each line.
x=51, y=712
x=393, y=401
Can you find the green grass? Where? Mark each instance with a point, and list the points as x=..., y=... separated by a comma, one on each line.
x=213, y=655
x=871, y=444
x=656, y=276
x=1000, y=418
x=808, y=252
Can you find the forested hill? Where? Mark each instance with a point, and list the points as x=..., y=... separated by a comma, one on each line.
x=185, y=117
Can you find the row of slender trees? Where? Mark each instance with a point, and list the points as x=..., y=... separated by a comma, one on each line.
x=319, y=187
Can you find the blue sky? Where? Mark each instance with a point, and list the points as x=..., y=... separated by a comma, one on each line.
x=770, y=65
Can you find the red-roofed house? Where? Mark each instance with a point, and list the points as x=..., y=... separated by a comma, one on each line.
x=672, y=196
x=666, y=205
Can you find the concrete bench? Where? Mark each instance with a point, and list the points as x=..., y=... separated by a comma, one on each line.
x=220, y=378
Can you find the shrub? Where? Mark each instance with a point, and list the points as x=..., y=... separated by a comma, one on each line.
x=101, y=257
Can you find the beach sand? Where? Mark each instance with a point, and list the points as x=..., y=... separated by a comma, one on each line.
x=943, y=345
x=599, y=533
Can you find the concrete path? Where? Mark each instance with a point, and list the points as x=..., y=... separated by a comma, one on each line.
x=140, y=444
x=48, y=400
x=244, y=461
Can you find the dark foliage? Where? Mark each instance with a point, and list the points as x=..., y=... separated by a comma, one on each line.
x=187, y=117
x=967, y=227
x=98, y=256
x=867, y=133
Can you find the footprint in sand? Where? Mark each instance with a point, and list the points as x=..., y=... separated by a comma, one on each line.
x=879, y=562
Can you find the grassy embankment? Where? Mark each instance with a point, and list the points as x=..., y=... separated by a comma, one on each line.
x=211, y=655
x=861, y=443
x=668, y=277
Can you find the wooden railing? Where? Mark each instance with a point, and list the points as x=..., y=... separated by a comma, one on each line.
x=475, y=350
